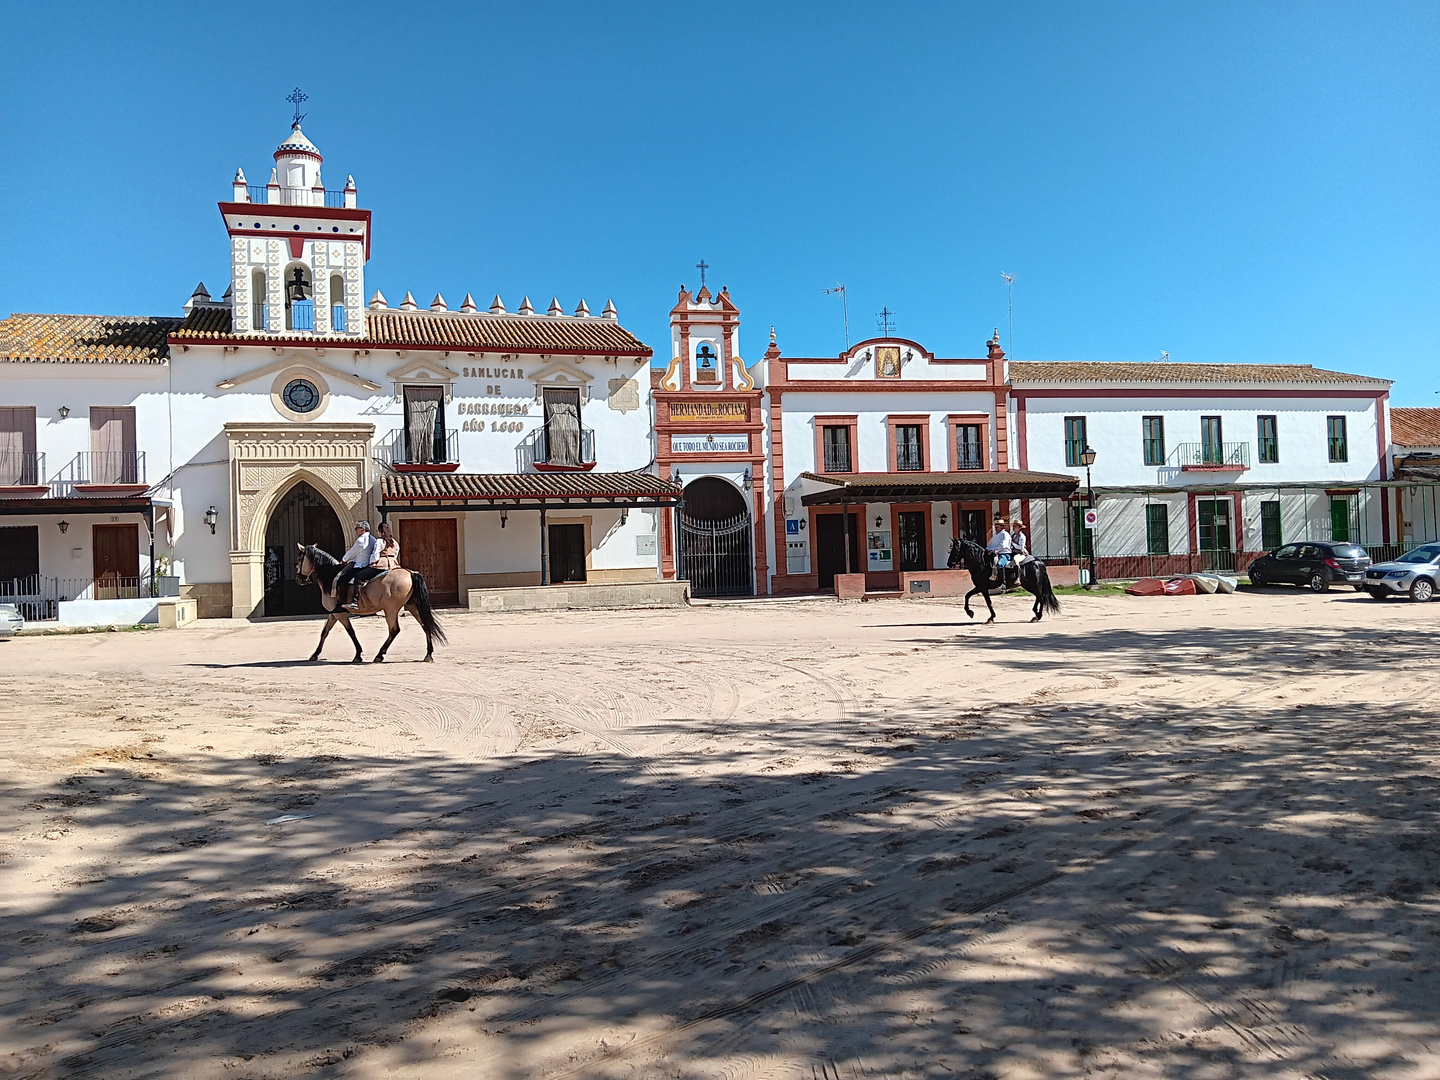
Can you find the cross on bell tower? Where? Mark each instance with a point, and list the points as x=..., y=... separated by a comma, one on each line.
x=295, y=97
x=885, y=318
x=702, y=266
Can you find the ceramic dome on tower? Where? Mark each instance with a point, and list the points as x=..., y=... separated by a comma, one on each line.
x=297, y=161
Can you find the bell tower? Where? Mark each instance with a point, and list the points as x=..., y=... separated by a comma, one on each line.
x=297, y=250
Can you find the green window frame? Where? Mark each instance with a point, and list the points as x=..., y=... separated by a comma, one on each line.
x=1335, y=439
x=1270, y=530
x=1157, y=528
x=1082, y=540
x=1342, y=520
x=1075, y=440
x=1154, y=439
x=1267, y=439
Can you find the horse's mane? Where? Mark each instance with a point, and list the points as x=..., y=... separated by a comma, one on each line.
x=319, y=557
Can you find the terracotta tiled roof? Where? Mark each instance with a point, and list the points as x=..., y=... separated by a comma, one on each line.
x=1415, y=427
x=454, y=330
x=86, y=339
x=509, y=486
x=923, y=487
x=1081, y=371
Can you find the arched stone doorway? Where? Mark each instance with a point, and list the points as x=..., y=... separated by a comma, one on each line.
x=715, y=537
x=303, y=516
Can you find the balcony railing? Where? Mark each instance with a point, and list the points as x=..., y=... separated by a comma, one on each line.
x=535, y=450
x=20, y=468
x=392, y=450
x=909, y=459
x=284, y=196
x=837, y=459
x=108, y=468
x=968, y=459
x=1216, y=457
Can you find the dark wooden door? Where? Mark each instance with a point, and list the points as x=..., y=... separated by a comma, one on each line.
x=567, y=553
x=972, y=525
x=116, y=559
x=429, y=546
x=912, y=540
x=830, y=548
x=112, y=446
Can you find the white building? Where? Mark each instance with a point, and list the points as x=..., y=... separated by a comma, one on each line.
x=221, y=437
x=1223, y=461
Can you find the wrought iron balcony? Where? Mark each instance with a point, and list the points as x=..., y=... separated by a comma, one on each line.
x=20, y=468
x=967, y=458
x=837, y=459
x=1213, y=457
x=105, y=468
x=561, y=452
x=395, y=452
x=286, y=196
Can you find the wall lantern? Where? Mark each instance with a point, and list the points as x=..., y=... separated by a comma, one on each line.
x=64, y=411
x=748, y=480
x=624, y=515
x=675, y=475
x=943, y=519
x=212, y=516
x=64, y=527
x=878, y=521
x=504, y=517
x=802, y=524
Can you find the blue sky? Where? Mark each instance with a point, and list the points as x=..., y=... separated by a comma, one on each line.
x=1227, y=182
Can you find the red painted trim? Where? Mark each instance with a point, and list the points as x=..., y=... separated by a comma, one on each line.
x=324, y=213
x=432, y=467
x=857, y=386
x=423, y=502
x=953, y=421
x=112, y=489
x=1237, y=523
x=369, y=345
x=297, y=246
x=295, y=152
x=545, y=466
x=24, y=489
x=1160, y=392
x=1020, y=433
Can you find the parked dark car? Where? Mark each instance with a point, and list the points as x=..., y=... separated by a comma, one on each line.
x=1316, y=563
x=1413, y=574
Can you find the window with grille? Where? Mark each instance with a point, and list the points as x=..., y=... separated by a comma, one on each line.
x=1335, y=438
x=1075, y=441
x=1154, y=440
x=1157, y=528
x=1267, y=437
x=836, y=441
x=1270, y=538
x=967, y=447
x=909, y=453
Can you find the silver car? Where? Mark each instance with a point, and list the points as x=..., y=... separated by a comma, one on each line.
x=11, y=621
x=1415, y=573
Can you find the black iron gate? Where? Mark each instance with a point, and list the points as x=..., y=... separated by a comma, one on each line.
x=716, y=555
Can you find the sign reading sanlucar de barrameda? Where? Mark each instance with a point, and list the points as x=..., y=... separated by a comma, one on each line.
x=709, y=444
x=708, y=412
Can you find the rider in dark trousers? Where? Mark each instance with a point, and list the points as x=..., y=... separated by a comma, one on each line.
x=361, y=554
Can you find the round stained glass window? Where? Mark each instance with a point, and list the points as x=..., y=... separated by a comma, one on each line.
x=301, y=395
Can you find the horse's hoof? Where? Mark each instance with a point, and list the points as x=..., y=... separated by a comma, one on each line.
x=358, y=660
x=379, y=660
x=428, y=660
x=314, y=658
x=989, y=620
x=1035, y=619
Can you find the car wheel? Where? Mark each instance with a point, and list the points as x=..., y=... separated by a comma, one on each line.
x=1378, y=594
x=1359, y=588
x=1422, y=591
x=1257, y=579
x=1318, y=583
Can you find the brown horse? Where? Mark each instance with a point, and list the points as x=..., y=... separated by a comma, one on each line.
x=390, y=592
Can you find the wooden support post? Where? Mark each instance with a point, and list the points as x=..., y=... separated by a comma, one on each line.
x=544, y=548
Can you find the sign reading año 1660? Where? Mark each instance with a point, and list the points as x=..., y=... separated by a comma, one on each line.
x=709, y=444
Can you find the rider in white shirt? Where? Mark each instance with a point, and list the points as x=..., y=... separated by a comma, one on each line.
x=999, y=547
x=1019, y=542
x=361, y=554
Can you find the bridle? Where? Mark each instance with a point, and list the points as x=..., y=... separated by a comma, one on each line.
x=304, y=579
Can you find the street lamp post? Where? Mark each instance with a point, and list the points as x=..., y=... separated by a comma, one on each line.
x=1087, y=458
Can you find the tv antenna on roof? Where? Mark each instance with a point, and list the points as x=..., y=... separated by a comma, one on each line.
x=1162, y=357
x=885, y=320
x=1009, y=280
x=844, y=309
x=295, y=97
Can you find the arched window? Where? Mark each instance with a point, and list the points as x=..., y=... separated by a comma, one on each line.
x=706, y=369
x=337, y=303
x=257, y=300
x=299, y=298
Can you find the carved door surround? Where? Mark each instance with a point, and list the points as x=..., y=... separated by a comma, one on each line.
x=266, y=460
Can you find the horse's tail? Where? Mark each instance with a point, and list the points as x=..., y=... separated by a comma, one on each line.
x=420, y=597
x=1048, y=600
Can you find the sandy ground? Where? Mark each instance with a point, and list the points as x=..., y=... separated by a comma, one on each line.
x=1180, y=837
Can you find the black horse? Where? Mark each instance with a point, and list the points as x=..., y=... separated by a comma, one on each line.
x=1033, y=578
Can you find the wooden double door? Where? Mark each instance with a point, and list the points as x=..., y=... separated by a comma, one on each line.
x=431, y=547
x=115, y=554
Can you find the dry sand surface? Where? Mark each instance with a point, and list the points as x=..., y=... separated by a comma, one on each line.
x=1179, y=837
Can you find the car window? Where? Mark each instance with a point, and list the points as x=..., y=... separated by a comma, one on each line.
x=1309, y=551
x=1348, y=551
x=1421, y=555
x=1286, y=552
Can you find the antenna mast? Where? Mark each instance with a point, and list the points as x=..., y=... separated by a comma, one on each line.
x=844, y=308
x=1009, y=280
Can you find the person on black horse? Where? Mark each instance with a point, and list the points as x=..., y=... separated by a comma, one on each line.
x=1000, y=553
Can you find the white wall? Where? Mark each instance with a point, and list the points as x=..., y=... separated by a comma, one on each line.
x=1114, y=428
